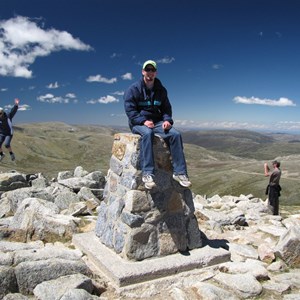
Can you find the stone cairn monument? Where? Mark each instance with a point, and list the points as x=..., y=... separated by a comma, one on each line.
x=138, y=223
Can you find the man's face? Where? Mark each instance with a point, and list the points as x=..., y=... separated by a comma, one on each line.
x=149, y=73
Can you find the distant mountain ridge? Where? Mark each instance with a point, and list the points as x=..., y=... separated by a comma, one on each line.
x=244, y=143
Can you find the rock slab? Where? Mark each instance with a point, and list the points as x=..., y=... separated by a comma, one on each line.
x=123, y=272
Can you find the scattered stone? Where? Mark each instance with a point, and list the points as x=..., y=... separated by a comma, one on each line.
x=139, y=224
x=288, y=247
x=277, y=287
x=209, y=291
x=65, y=199
x=31, y=273
x=277, y=266
x=291, y=297
x=78, y=294
x=245, y=285
x=8, y=281
x=56, y=250
x=38, y=219
x=57, y=288
x=11, y=181
x=265, y=253
x=292, y=278
x=242, y=252
x=15, y=296
x=251, y=266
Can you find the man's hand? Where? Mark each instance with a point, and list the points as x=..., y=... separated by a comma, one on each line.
x=149, y=124
x=166, y=125
x=266, y=169
x=17, y=101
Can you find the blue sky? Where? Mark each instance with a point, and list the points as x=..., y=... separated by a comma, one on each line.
x=226, y=63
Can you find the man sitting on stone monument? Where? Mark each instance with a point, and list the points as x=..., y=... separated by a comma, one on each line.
x=150, y=112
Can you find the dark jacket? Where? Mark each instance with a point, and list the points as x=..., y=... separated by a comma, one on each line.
x=142, y=104
x=6, y=121
x=274, y=188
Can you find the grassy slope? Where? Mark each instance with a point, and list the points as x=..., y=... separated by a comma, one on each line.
x=244, y=143
x=52, y=147
x=245, y=176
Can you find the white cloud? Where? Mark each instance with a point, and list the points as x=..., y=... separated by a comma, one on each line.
x=232, y=125
x=166, y=60
x=54, y=85
x=118, y=115
x=4, y=89
x=116, y=55
x=288, y=125
x=127, y=76
x=50, y=98
x=217, y=66
x=220, y=125
x=22, y=107
x=119, y=93
x=22, y=41
x=71, y=95
x=99, y=78
x=104, y=100
x=253, y=100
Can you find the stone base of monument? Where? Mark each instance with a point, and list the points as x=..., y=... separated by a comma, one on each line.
x=143, y=234
x=138, y=223
x=122, y=272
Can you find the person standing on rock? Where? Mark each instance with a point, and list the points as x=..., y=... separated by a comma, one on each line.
x=273, y=188
x=6, y=129
x=149, y=112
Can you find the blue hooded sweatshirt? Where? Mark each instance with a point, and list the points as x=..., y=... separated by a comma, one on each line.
x=142, y=104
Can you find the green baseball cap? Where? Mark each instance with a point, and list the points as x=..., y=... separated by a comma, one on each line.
x=149, y=62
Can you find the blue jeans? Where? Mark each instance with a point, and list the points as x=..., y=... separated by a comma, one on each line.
x=6, y=139
x=172, y=138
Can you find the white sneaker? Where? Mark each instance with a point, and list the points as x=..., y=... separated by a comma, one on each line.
x=183, y=180
x=12, y=156
x=149, y=182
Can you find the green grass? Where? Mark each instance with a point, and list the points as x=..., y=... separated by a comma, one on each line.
x=243, y=143
x=49, y=148
x=214, y=172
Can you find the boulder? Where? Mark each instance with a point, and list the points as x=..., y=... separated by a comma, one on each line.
x=288, y=247
x=8, y=281
x=37, y=219
x=63, y=286
x=31, y=273
x=245, y=285
x=12, y=180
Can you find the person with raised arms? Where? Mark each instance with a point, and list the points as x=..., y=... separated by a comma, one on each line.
x=6, y=129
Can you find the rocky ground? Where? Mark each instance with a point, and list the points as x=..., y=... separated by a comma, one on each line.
x=38, y=260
